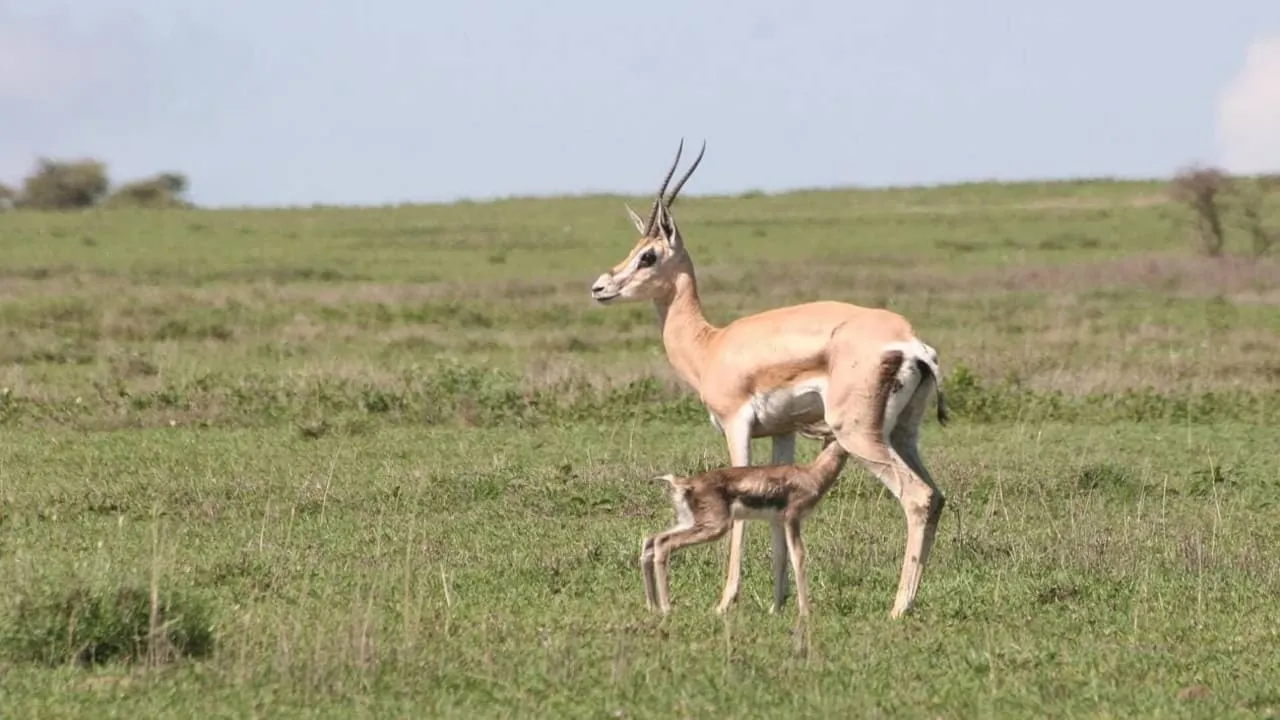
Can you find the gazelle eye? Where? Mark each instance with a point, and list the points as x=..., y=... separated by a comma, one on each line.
x=648, y=258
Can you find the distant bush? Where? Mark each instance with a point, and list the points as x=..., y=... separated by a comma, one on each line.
x=1213, y=196
x=65, y=185
x=83, y=183
x=162, y=191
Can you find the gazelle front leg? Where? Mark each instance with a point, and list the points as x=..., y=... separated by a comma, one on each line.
x=784, y=453
x=738, y=436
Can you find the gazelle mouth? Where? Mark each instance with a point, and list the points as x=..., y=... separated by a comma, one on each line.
x=604, y=298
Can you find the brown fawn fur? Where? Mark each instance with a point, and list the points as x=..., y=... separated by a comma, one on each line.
x=707, y=504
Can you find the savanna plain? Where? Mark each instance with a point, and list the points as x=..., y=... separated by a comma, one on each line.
x=395, y=462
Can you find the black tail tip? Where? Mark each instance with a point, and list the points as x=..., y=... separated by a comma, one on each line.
x=944, y=415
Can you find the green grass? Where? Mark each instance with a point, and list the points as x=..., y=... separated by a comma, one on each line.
x=394, y=462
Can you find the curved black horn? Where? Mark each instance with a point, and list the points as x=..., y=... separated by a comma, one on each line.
x=653, y=214
x=671, y=199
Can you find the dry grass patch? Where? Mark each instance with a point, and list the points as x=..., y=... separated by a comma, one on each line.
x=1179, y=275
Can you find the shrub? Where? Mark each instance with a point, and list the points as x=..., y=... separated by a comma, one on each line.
x=65, y=185
x=161, y=191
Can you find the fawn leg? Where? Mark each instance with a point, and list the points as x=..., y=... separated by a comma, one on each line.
x=672, y=540
x=646, y=571
x=795, y=546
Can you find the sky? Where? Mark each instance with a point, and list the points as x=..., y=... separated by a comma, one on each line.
x=295, y=102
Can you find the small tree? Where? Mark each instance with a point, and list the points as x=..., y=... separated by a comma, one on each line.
x=1200, y=187
x=8, y=196
x=65, y=184
x=162, y=191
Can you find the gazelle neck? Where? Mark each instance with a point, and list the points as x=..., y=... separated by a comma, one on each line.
x=828, y=464
x=685, y=330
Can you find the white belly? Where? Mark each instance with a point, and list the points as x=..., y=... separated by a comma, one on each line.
x=788, y=409
x=742, y=512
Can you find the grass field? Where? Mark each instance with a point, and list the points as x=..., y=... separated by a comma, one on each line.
x=394, y=462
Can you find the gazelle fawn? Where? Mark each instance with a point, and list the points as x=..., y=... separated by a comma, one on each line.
x=708, y=504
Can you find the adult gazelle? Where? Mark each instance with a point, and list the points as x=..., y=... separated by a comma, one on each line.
x=812, y=369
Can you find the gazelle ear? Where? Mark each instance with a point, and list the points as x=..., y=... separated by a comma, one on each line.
x=636, y=220
x=668, y=229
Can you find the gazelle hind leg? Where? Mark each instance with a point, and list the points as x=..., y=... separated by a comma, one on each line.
x=865, y=405
x=904, y=440
x=920, y=502
x=931, y=511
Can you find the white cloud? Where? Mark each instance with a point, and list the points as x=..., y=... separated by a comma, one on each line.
x=1249, y=112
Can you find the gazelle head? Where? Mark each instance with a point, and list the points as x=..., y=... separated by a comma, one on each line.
x=648, y=272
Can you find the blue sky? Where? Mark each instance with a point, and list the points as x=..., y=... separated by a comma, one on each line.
x=270, y=102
